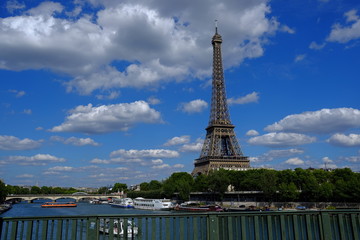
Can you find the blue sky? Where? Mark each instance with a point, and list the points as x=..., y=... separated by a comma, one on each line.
x=95, y=92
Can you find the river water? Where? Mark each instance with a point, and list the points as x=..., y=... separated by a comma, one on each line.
x=83, y=208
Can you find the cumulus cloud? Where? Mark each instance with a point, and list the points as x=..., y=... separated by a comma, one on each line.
x=252, y=133
x=108, y=118
x=315, y=46
x=281, y=139
x=322, y=121
x=193, y=147
x=345, y=33
x=351, y=140
x=249, y=98
x=62, y=169
x=36, y=160
x=75, y=141
x=294, y=161
x=99, y=161
x=14, y=143
x=194, y=106
x=157, y=46
x=178, y=140
x=148, y=153
x=276, y=154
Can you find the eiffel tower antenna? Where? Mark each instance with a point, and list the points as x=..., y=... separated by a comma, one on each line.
x=221, y=148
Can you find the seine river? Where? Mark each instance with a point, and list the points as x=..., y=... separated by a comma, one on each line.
x=83, y=208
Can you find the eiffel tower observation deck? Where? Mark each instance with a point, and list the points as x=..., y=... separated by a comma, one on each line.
x=221, y=148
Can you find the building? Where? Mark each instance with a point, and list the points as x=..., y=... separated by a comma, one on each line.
x=221, y=148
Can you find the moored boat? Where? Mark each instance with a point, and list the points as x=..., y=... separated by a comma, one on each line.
x=153, y=204
x=193, y=207
x=123, y=203
x=58, y=204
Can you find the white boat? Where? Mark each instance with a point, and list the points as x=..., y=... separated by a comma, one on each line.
x=118, y=229
x=153, y=204
x=123, y=203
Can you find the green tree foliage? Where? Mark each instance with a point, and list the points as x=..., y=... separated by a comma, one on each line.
x=3, y=192
x=118, y=187
x=218, y=181
x=144, y=186
x=155, y=185
x=181, y=183
x=201, y=183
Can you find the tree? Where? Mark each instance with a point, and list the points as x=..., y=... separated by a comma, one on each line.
x=35, y=190
x=288, y=191
x=201, y=183
x=155, y=185
x=3, y=192
x=180, y=182
x=118, y=187
x=103, y=190
x=219, y=181
x=144, y=186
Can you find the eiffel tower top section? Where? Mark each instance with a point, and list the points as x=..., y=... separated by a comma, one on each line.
x=219, y=114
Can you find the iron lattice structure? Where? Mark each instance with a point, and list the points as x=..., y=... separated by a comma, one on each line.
x=221, y=148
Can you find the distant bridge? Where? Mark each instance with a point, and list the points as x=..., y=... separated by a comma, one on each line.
x=54, y=197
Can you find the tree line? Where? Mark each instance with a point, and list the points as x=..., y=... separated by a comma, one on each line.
x=341, y=185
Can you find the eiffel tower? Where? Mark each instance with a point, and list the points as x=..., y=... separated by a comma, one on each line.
x=221, y=148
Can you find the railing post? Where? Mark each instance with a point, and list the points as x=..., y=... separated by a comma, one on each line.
x=92, y=229
x=213, y=227
x=326, y=225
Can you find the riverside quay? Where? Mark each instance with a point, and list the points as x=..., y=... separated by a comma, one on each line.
x=297, y=225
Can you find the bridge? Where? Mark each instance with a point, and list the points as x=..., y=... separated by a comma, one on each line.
x=55, y=197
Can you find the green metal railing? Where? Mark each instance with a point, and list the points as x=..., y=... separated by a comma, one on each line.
x=297, y=225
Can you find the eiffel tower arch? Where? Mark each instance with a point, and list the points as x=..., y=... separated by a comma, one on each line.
x=221, y=148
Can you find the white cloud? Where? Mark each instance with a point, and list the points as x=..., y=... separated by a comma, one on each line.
x=345, y=33
x=315, y=46
x=252, y=133
x=108, y=118
x=276, y=154
x=294, y=161
x=110, y=95
x=75, y=141
x=148, y=153
x=327, y=163
x=157, y=161
x=178, y=165
x=351, y=140
x=193, y=147
x=14, y=143
x=249, y=98
x=322, y=121
x=13, y=5
x=27, y=111
x=18, y=93
x=153, y=100
x=178, y=140
x=25, y=176
x=300, y=57
x=100, y=161
x=162, y=166
x=38, y=159
x=194, y=106
x=62, y=169
x=281, y=139
x=158, y=47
